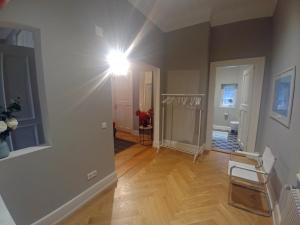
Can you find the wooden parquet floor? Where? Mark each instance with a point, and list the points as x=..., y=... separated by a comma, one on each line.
x=166, y=189
x=127, y=136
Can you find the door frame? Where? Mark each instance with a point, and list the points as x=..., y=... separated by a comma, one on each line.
x=156, y=99
x=259, y=70
x=114, y=91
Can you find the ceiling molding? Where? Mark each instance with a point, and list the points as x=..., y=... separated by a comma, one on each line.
x=171, y=15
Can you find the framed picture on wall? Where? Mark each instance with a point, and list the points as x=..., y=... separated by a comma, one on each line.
x=282, y=96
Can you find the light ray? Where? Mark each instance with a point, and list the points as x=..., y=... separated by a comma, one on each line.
x=98, y=81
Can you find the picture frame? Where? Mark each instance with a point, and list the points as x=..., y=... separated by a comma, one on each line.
x=283, y=86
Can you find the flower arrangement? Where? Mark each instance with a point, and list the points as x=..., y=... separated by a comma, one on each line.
x=8, y=121
x=144, y=117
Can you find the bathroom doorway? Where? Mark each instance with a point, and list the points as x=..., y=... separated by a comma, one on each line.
x=235, y=93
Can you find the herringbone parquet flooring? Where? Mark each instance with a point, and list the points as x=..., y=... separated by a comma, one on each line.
x=166, y=189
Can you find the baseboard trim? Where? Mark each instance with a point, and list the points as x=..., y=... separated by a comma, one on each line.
x=207, y=147
x=183, y=147
x=70, y=207
x=276, y=215
x=135, y=132
x=274, y=205
x=156, y=144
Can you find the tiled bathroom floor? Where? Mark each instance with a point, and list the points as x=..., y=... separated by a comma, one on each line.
x=225, y=141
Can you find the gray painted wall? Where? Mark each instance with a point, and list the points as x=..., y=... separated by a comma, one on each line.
x=245, y=39
x=186, y=62
x=73, y=57
x=183, y=120
x=286, y=53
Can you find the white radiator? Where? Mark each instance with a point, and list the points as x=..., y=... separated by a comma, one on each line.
x=289, y=205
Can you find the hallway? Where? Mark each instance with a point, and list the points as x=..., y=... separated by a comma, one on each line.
x=166, y=188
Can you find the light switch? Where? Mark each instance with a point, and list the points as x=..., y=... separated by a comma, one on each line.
x=103, y=125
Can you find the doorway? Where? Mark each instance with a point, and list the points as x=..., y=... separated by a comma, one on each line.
x=19, y=79
x=135, y=99
x=234, y=104
x=122, y=99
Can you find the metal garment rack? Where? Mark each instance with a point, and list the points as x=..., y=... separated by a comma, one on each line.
x=164, y=96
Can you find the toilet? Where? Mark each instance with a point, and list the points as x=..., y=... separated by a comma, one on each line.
x=234, y=125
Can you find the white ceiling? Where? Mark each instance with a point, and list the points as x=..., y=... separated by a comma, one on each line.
x=171, y=15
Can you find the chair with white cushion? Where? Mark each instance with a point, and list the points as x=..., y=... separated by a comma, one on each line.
x=254, y=177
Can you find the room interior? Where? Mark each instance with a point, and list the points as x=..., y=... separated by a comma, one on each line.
x=228, y=126
x=57, y=158
x=132, y=100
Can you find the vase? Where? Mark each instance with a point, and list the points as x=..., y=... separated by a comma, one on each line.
x=4, y=149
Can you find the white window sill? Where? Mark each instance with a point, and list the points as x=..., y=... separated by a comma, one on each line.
x=25, y=151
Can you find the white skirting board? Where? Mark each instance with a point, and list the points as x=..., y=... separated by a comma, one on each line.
x=276, y=215
x=70, y=207
x=135, y=132
x=183, y=147
x=156, y=144
x=276, y=211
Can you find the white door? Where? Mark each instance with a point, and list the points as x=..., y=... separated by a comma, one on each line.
x=122, y=102
x=145, y=91
x=245, y=107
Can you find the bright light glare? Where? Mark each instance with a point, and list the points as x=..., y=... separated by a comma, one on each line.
x=118, y=63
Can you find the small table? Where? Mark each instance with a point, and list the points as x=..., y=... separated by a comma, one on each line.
x=146, y=135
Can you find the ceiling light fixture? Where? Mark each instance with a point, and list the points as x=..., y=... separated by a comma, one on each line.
x=118, y=63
